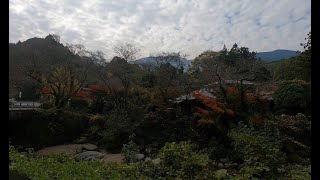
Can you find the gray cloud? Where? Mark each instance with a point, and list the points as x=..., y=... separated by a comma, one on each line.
x=189, y=26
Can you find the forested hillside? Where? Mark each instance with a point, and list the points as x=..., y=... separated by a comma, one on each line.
x=40, y=54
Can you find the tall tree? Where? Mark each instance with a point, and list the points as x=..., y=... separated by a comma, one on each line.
x=169, y=69
x=65, y=78
x=127, y=51
x=62, y=84
x=237, y=64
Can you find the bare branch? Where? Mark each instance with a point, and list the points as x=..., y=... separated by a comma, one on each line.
x=128, y=51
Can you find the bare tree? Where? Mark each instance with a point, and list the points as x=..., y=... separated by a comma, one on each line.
x=127, y=51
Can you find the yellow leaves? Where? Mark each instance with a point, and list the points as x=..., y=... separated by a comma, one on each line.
x=109, y=74
x=61, y=82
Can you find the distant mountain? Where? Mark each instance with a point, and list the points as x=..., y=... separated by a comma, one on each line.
x=276, y=55
x=153, y=61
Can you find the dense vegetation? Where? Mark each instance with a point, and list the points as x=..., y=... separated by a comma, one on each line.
x=213, y=121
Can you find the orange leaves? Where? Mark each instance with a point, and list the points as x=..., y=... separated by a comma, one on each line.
x=211, y=111
x=202, y=111
x=211, y=103
x=204, y=121
x=230, y=113
x=233, y=95
x=45, y=90
x=81, y=94
x=233, y=91
x=215, y=108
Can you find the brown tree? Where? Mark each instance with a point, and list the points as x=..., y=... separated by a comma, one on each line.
x=127, y=51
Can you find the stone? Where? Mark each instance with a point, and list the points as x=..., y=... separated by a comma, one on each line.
x=81, y=140
x=156, y=161
x=148, y=150
x=140, y=156
x=214, y=163
x=89, y=147
x=147, y=159
x=69, y=149
x=240, y=166
x=223, y=160
x=230, y=165
x=220, y=165
x=118, y=158
x=89, y=155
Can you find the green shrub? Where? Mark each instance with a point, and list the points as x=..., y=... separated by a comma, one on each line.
x=97, y=120
x=217, y=150
x=261, y=151
x=47, y=127
x=46, y=105
x=64, y=167
x=297, y=127
x=294, y=95
x=298, y=172
x=112, y=130
x=180, y=160
x=130, y=150
x=296, y=134
x=79, y=104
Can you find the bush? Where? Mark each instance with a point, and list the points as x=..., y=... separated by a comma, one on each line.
x=294, y=96
x=112, y=130
x=298, y=172
x=48, y=127
x=79, y=104
x=261, y=151
x=64, y=167
x=46, y=105
x=297, y=127
x=180, y=160
x=296, y=132
x=130, y=150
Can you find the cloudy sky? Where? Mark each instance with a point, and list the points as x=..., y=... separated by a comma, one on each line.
x=189, y=26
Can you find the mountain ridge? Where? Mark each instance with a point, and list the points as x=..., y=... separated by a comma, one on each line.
x=276, y=55
x=267, y=56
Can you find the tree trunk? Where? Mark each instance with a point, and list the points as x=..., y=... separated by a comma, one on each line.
x=242, y=100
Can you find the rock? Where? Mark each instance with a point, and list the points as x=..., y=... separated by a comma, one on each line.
x=227, y=165
x=156, y=161
x=81, y=140
x=89, y=147
x=147, y=159
x=220, y=165
x=223, y=160
x=118, y=158
x=140, y=156
x=214, y=163
x=89, y=155
x=148, y=150
x=240, y=166
x=230, y=165
x=70, y=149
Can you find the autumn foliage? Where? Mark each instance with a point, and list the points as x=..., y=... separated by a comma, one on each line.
x=211, y=111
